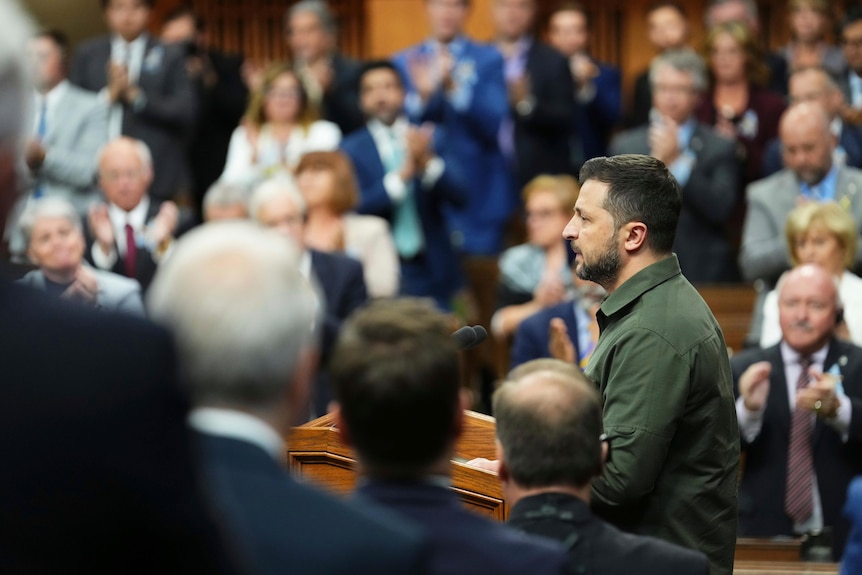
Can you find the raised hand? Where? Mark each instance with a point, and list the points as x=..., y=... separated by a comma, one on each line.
x=754, y=385
x=101, y=228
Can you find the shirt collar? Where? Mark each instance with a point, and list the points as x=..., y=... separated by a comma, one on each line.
x=825, y=187
x=456, y=46
x=378, y=128
x=118, y=42
x=790, y=356
x=237, y=425
x=137, y=218
x=54, y=95
x=685, y=131
x=639, y=284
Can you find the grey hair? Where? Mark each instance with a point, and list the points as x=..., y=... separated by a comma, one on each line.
x=241, y=311
x=268, y=190
x=320, y=9
x=683, y=60
x=839, y=303
x=15, y=75
x=222, y=194
x=51, y=207
x=141, y=147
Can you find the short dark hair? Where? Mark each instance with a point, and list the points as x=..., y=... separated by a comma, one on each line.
x=570, y=6
x=640, y=188
x=58, y=37
x=659, y=4
x=395, y=372
x=147, y=3
x=852, y=16
x=550, y=432
x=374, y=65
x=185, y=11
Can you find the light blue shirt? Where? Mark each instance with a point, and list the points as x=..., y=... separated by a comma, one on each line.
x=463, y=77
x=681, y=167
x=855, y=89
x=824, y=190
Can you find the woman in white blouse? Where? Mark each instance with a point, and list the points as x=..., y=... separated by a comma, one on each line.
x=328, y=184
x=823, y=234
x=278, y=128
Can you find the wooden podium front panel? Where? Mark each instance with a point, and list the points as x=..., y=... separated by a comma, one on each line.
x=750, y=549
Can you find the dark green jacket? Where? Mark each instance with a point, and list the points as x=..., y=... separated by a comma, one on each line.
x=662, y=369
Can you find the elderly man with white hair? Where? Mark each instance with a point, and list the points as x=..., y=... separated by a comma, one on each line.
x=55, y=243
x=244, y=318
x=278, y=204
x=224, y=201
x=132, y=232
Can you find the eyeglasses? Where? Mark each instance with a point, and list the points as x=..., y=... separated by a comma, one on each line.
x=854, y=43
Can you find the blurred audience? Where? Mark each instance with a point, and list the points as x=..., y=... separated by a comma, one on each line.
x=823, y=234
x=221, y=95
x=851, y=82
x=248, y=387
x=597, y=94
x=536, y=274
x=537, y=133
x=809, y=26
x=797, y=406
x=702, y=161
x=338, y=279
x=396, y=367
x=549, y=448
x=330, y=78
x=851, y=563
x=328, y=185
x=403, y=179
x=55, y=245
x=133, y=231
x=225, y=202
x=667, y=29
x=739, y=104
x=148, y=88
x=816, y=85
x=280, y=126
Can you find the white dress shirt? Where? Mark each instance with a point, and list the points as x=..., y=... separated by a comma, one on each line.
x=385, y=138
x=237, y=425
x=132, y=55
x=137, y=218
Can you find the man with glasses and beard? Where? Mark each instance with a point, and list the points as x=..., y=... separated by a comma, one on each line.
x=660, y=364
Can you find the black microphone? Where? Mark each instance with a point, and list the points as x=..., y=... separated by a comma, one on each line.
x=465, y=337
x=481, y=334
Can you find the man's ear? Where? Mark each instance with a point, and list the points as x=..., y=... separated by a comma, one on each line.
x=502, y=469
x=635, y=235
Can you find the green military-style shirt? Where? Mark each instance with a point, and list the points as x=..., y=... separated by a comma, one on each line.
x=662, y=368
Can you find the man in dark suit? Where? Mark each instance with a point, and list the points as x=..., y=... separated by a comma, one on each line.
x=330, y=78
x=98, y=470
x=396, y=368
x=221, y=96
x=532, y=339
x=702, y=162
x=147, y=85
x=132, y=232
x=816, y=85
x=798, y=406
x=536, y=134
x=244, y=316
x=338, y=279
x=403, y=180
x=598, y=88
x=549, y=422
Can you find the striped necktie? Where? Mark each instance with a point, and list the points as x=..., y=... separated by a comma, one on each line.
x=798, y=498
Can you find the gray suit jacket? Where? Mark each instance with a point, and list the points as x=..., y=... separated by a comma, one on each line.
x=764, y=254
x=73, y=140
x=164, y=122
x=116, y=293
x=708, y=200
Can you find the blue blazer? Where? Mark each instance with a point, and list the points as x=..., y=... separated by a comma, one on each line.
x=850, y=140
x=531, y=339
x=283, y=526
x=468, y=123
x=595, y=120
x=461, y=541
x=440, y=259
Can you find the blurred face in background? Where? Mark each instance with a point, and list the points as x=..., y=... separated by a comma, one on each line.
x=567, y=32
x=446, y=18
x=56, y=245
x=381, y=95
x=316, y=183
x=820, y=246
x=727, y=58
x=851, y=38
x=807, y=24
x=283, y=99
x=806, y=146
x=307, y=38
x=811, y=85
x=513, y=18
x=807, y=309
x=281, y=215
x=127, y=18
x=49, y=65
x=673, y=94
x=179, y=30
x=667, y=28
x=123, y=176
x=546, y=218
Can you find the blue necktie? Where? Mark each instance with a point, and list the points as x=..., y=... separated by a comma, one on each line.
x=406, y=227
x=41, y=130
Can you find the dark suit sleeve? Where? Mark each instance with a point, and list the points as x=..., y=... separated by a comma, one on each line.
x=373, y=198
x=711, y=191
x=553, y=110
x=606, y=106
x=354, y=295
x=176, y=106
x=527, y=344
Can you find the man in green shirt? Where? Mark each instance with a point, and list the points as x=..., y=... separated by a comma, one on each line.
x=661, y=365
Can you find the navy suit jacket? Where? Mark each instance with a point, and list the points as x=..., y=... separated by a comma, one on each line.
x=440, y=260
x=165, y=122
x=531, y=339
x=468, y=139
x=99, y=475
x=463, y=542
x=543, y=137
x=283, y=526
x=595, y=120
x=762, y=490
x=340, y=103
x=599, y=547
x=342, y=282
x=850, y=140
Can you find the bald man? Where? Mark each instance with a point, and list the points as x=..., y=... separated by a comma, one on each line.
x=807, y=146
x=783, y=399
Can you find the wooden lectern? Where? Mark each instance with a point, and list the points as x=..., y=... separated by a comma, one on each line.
x=316, y=454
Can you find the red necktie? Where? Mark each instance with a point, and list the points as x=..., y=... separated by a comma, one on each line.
x=131, y=251
x=798, y=499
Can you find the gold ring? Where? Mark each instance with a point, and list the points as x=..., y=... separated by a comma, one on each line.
x=817, y=405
